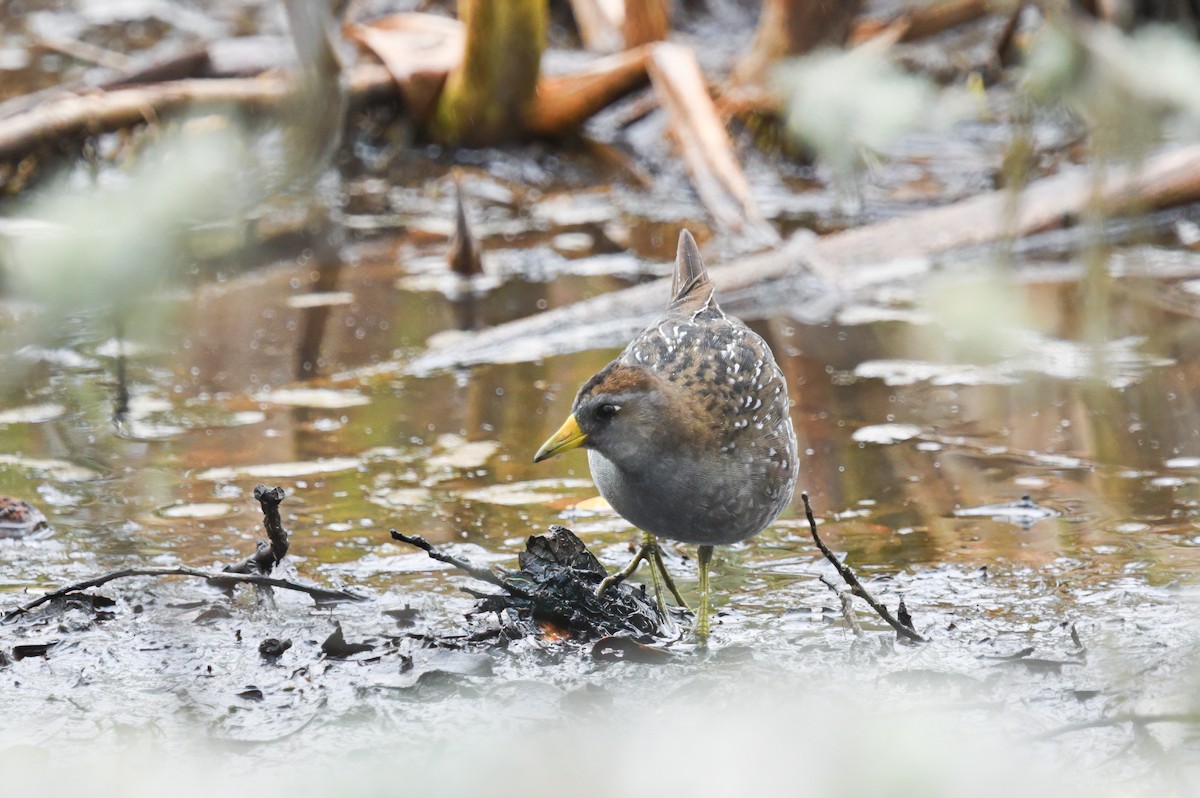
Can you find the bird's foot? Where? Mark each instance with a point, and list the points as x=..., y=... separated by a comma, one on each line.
x=651, y=552
x=614, y=579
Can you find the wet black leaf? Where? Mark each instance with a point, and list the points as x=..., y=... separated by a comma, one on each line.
x=336, y=647
x=556, y=583
x=251, y=694
x=32, y=650
x=273, y=648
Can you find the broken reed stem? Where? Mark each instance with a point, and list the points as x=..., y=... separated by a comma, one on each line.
x=217, y=578
x=855, y=586
x=482, y=574
x=269, y=499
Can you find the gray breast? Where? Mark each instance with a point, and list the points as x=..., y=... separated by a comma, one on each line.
x=680, y=501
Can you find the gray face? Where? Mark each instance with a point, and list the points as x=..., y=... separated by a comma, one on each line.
x=625, y=427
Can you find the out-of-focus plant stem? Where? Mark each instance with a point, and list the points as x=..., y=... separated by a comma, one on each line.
x=487, y=96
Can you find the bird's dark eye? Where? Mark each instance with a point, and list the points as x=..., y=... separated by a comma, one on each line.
x=606, y=411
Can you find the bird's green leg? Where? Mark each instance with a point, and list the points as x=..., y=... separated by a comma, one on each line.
x=620, y=576
x=657, y=574
x=705, y=554
x=660, y=566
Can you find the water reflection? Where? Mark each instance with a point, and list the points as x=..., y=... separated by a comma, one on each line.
x=1093, y=449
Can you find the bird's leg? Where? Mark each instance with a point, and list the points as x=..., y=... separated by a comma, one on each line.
x=620, y=576
x=704, y=557
x=660, y=566
x=651, y=552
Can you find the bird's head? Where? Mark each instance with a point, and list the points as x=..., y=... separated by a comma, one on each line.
x=624, y=412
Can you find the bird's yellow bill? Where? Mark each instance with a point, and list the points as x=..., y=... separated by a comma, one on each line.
x=568, y=437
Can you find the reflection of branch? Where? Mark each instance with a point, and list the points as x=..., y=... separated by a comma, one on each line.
x=319, y=593
x=855, y=586
x=1124, y=717
x=847, y=608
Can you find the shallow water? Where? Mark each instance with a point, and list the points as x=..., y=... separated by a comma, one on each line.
x=926, y=410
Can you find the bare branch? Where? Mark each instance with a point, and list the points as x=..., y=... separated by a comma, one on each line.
x=217, y=578
x=855, y=586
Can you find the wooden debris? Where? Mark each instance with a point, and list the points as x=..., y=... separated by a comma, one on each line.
x=556, y=583
x=419, y=50
x=608, y=319
x=921, y=21
x=646, y=21
x=853, y=259
x=703, y=141
x=565, y=102
x=1170, y=177
x=794, y=27
x=599, y=23
x=101, y=112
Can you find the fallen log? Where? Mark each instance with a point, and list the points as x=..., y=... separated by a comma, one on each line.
x=840, y=263
x=102, y=112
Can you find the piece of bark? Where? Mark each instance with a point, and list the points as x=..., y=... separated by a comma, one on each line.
x=794, y=27
x=419, y=50
x=564, y=102
x=703, y=141
x=846, y=261
x=599, y=24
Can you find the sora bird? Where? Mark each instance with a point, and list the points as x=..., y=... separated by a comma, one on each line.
x=687, y=432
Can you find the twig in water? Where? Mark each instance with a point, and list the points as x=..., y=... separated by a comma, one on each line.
x=217, y=577
x=855, y=586
x=482, y=574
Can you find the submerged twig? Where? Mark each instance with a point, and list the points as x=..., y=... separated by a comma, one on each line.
x=855, y=586
x=847, y=607
x=216, y=577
